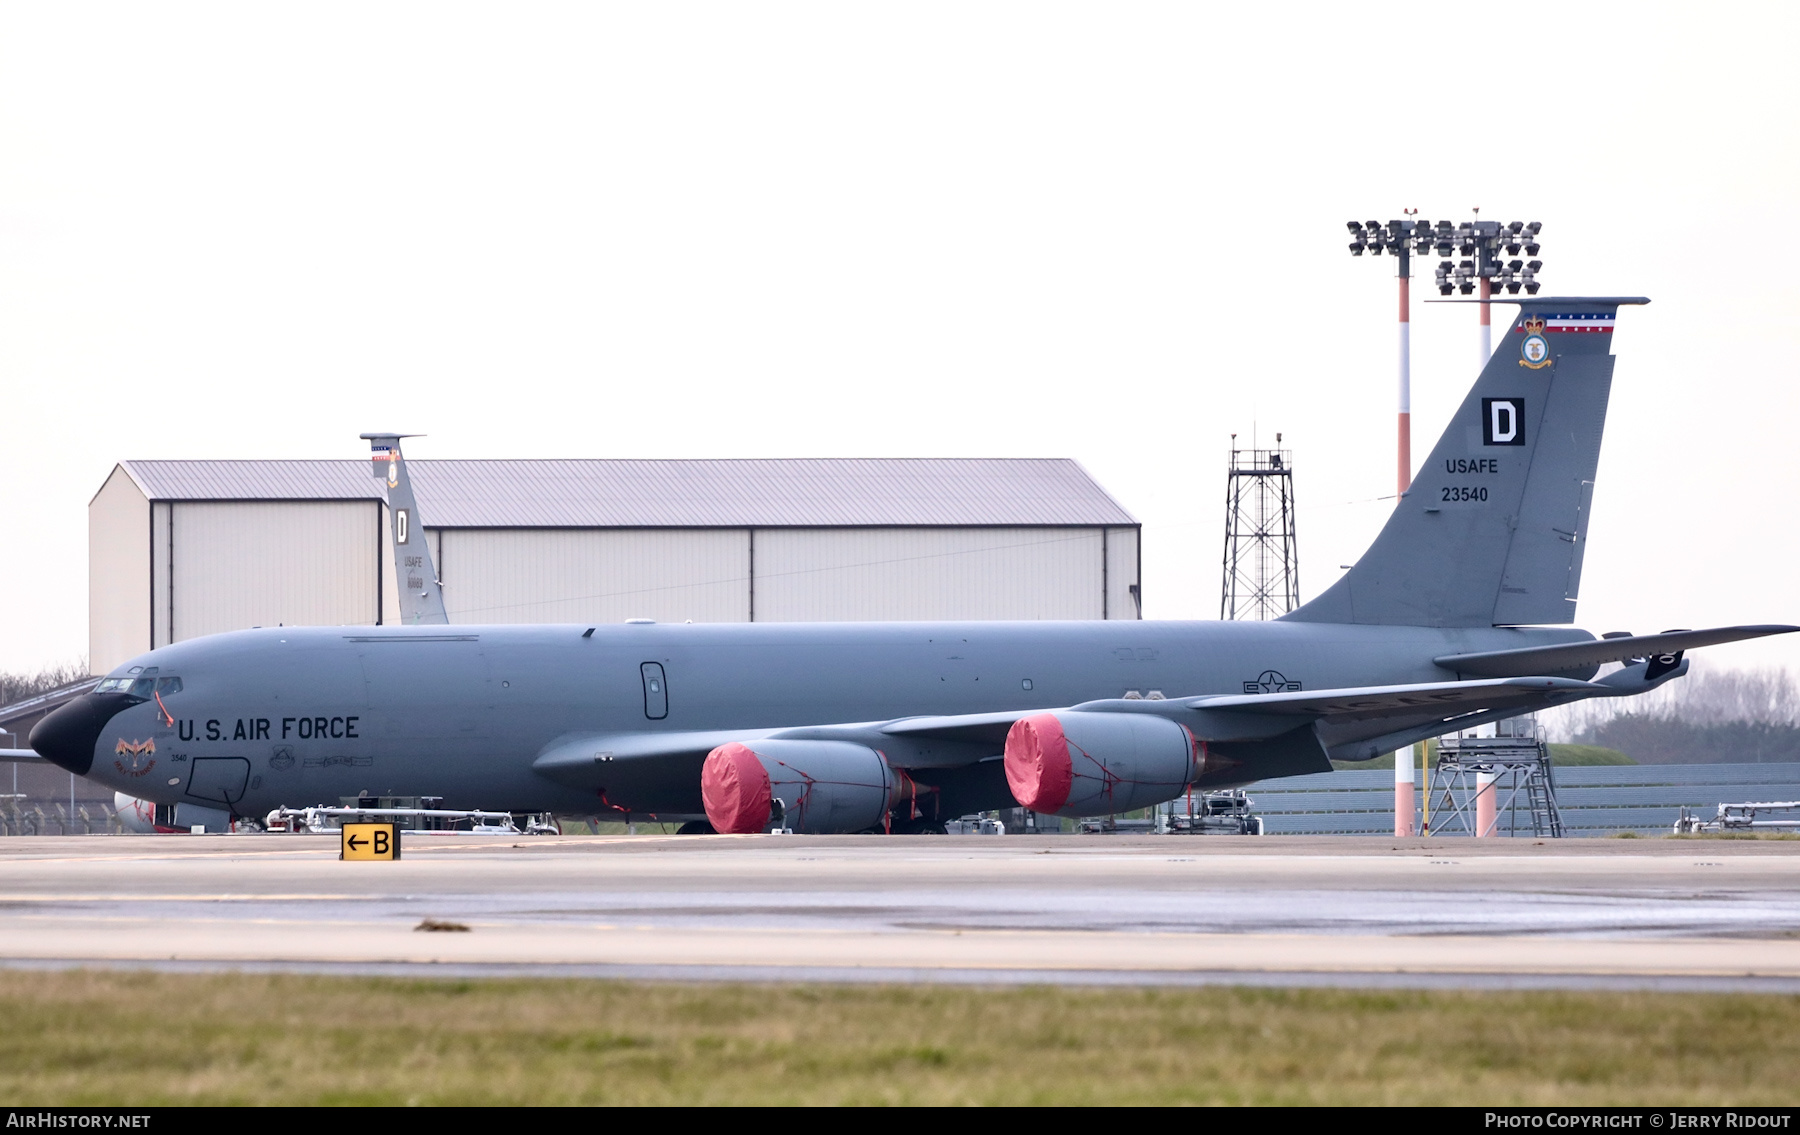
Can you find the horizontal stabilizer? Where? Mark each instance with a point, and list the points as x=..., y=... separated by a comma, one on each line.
x=1587, y=655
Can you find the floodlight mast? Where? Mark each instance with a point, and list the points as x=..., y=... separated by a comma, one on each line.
x=1398, y=238
x=1482, y=242
x=1486, y=307
x=1401, y=238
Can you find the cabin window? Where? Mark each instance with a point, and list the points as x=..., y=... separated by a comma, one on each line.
x=656, y=691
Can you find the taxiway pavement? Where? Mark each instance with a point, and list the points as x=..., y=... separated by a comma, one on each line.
x=1667, y=914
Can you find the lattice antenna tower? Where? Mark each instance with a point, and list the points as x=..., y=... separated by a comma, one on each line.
x=1262, y=566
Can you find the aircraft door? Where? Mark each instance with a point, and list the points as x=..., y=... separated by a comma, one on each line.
x=219, y=779
x=656, y=691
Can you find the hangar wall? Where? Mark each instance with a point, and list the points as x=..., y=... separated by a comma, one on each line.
x=240, y=564
x=549, y=575
x=807, y=575
x=785, y=574
x=118, y=560
x=1124, y=580
x=180, y=549
x=162, y=564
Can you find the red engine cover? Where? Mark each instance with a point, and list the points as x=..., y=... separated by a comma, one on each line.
x=1038, y=769
x=1086, y=763
x=735, y=789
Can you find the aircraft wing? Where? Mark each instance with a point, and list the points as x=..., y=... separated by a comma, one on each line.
x=658, y=772
x=975, y=728
x=21, y=757
x=592, y=750
x=1350, y=723
x=1586, y=655
x=1254, y=736
x=1248, y=717
x=1369, y=702
x=953, y=740
x=1279, y=734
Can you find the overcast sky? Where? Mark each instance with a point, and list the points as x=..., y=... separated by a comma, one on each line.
x=1112, y=232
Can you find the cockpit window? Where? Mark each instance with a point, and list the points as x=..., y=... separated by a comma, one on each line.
x=145, y=686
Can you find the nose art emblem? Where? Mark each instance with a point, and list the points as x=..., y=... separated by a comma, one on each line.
x=135, y=758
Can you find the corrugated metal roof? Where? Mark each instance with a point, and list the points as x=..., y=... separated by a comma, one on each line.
x=794, y=492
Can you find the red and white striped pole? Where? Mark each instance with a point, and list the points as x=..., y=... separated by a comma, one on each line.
x=1403, y=758
x=1487, y=815
x=1487, y=323
x=1405, y=434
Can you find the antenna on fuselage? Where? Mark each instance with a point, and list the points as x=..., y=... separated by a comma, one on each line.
x=415, y=576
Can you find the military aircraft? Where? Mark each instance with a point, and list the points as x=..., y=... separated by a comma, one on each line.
x=1455, y=617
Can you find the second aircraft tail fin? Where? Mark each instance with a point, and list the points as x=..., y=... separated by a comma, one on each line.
x=1493, y=530
x=421, y=600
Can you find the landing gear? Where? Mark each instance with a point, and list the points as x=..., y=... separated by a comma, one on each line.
x=924, y=825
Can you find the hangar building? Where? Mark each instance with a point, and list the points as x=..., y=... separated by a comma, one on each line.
x=179, y=549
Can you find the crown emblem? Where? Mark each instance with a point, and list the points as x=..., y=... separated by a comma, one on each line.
x=1534, y=352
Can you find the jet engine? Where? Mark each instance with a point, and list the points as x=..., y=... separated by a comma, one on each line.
x=823, y=786
x=145, y=818
x=135, y=815
x=1093, y=764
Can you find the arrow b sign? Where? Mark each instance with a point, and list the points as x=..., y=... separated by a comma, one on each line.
x=370, y=841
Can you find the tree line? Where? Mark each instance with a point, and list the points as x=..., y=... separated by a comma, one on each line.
x=1709, y=717
x=17, y=686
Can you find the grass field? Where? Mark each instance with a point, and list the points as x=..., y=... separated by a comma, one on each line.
x=129, y=1038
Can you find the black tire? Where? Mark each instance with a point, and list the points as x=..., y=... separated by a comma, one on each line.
x=696, y=827
x=920, y=827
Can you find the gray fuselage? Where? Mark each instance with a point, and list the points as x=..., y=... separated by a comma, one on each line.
x=315, y=714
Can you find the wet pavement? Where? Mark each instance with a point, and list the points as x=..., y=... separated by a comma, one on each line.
x=1139, y=909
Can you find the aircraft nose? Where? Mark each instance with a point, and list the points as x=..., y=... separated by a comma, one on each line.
x=66, y=735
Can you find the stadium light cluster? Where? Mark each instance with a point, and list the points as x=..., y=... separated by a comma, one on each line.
x=1479, y=243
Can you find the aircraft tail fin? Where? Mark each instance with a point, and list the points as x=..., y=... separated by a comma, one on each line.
x=1493, y=530
x=421, y=599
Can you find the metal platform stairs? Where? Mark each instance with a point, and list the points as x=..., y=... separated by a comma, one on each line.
x=1516, y=769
